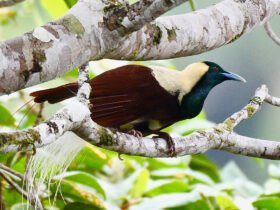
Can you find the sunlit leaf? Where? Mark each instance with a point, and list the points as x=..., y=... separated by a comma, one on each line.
x=22, y=206
x=140, y=184
x=89, y=159
x=167, y=186
x=274, y=171
x=83, y=178
x=6, y=118
x=166, y=201
x=70, y=3
x=203, y=164
x=267, y=203
x=198, y=205
x=55, y=8
x=225, y=203
x=192, y=176
x=79, y=193
x=192, y=5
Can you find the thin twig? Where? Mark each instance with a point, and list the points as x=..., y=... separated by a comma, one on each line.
x=14, y=185
x=40, y=117
x=2, y=202
x=271, y=33
x=10, y=171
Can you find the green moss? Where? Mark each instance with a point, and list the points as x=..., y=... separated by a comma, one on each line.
x=32, y=136
x=5, y=138
x=157, y=35
x=106, y=138
x=72, y=24
x=219, y=129
x=134, y=54
x=229, y=123
x=112, y=7
x=256, y=100
x=211, y=137
x=25, y=74
x=235, y=38
x=250, y=110
x=154, y=33
x=39, y=56
x=171, y=34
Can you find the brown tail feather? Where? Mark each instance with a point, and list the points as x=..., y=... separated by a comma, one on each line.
x=55, y=95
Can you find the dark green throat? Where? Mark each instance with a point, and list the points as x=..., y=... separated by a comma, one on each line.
x=192, y=103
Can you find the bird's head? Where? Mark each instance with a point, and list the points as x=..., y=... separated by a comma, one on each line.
x=215, y=74
x=207, y=75
x=198, y=79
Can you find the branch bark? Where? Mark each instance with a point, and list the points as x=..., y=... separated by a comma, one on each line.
x=55, y=48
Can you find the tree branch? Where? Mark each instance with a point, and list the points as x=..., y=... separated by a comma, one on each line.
x=55, y=48
x=221, y=137
x=128, y=19
x=14, y=185
x=271, y=33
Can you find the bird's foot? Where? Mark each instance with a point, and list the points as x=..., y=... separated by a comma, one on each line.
x=169, y=141
x=135, y=133
x=120, y=156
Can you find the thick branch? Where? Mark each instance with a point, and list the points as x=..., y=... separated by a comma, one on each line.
x=196, y=32
x=57, y=47
x=221, y=137
x=135, y=16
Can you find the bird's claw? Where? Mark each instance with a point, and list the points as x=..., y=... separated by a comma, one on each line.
x=135, y=133
x=169, y=141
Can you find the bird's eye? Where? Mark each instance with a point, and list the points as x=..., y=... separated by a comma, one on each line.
x=215, y=68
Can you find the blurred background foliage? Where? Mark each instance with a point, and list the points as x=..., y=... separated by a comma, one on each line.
x=99, y=179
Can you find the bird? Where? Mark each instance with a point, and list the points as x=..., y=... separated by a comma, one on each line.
x=143, y=100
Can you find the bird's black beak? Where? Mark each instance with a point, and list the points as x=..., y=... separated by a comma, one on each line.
x=232, y=76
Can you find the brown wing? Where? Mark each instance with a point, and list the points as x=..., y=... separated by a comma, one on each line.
x=130, y=93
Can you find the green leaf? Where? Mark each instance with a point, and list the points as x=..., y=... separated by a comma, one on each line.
x=274, y=171
x=21, y=206
x=225, y=203
x=192, y=176
x=267, y=203
x=55, y=8
x=166, y=201
x=6, y=118
x=161, y=163
x=166, y=186
x=79, y=193
x=89, y=159
x=203, y=164
x=83, y=178
x=70, y=3
x=192, y=5
x=201, y=204
x=27, y=118
x=140, y=184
